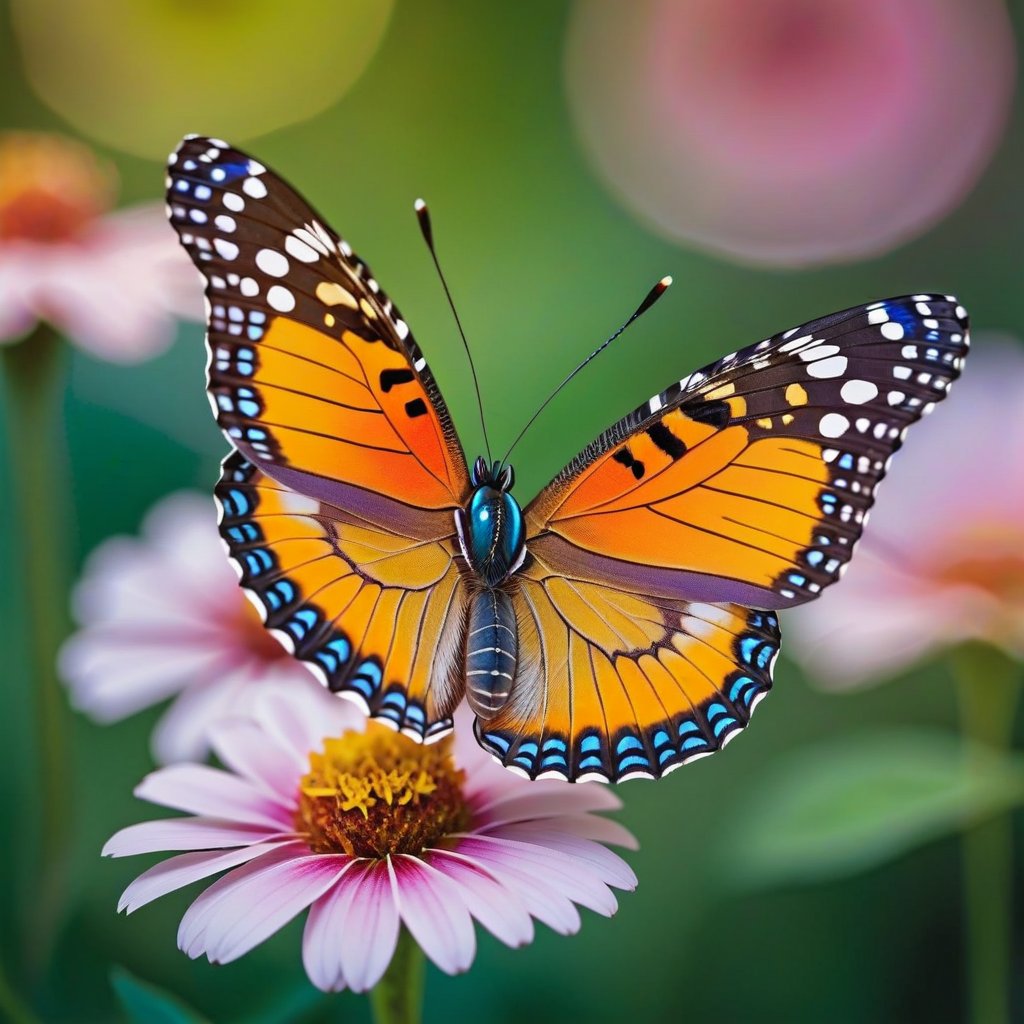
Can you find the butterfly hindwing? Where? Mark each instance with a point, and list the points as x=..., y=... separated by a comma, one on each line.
x=313, y=373
x=377, y=616
x=750, y=480
x=613, y=685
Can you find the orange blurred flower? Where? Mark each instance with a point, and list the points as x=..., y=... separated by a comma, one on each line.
x=111, y=282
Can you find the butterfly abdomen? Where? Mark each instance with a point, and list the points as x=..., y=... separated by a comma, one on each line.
x=492, y=652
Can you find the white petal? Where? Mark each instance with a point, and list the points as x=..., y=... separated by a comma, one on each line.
x=432, y=907
x=108, y=680
x=185, y=834
x=248, y=751
x=496, y=907
x=542, y=899
x=301, y=724
x=352, y=931
x=589, y=826
x=199, y=789
x=609, y=867
x=183, y=870
x=577, y=881
x=248, y=905
x=548, y=800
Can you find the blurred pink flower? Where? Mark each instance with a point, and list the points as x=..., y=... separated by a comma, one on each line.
x=372, y=831
x=791, y=131
x=112, y=283
x=943, y=558
x=163, y=616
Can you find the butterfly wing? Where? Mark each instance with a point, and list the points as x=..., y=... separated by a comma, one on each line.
x=750, y=480
x=614, y=685
x=337, y=503
x=378, y=616
x=313, y=374
x=658, y=556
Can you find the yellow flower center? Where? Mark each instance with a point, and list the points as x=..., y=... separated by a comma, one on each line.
x=51, y=187
x=376, y=793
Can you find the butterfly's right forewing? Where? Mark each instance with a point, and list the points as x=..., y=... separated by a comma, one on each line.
x=337, y=505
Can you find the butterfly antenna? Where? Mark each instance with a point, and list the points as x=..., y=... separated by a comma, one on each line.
x=652, y=297
x=423, y=215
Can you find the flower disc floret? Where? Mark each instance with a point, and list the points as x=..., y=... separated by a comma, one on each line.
x=378, y=793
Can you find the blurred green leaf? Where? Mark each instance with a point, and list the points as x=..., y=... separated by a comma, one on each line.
x=838, y=808
x=144, y=1003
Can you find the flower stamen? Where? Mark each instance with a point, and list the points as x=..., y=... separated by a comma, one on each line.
x=378, y=793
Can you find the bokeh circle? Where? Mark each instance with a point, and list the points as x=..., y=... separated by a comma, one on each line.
x=790, y=132
x=138, y=74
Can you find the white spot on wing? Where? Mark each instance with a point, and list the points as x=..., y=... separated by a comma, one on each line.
x=834, y=367
x=300, y=250
x=271, y=262
x=857, y=392
x=227, y=250
x=254, y=187
x=281, y=299
x=833, y=424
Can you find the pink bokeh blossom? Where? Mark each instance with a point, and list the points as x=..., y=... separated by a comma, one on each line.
x=523, y=850
x=942, y=561
x=111, y=283
x=791, y=131
x=162, y=617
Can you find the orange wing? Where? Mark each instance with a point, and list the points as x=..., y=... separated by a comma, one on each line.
x=313, y=374
x=749, y=482
x=614, y=686
x=378, y=616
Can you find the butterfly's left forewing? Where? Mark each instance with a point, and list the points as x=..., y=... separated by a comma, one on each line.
x=658, y=557
x=750, y=480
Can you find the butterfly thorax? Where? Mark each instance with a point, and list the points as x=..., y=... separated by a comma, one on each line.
x=492, y=538
x=490, y=526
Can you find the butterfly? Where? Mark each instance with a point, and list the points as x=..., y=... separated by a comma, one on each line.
x=625, y=621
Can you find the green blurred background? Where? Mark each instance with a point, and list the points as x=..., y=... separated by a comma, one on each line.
x=465, y=105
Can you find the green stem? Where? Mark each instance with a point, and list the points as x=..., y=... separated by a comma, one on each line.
x=988, y=689
x=34, y=376
x=398, y=996
x=11, y=1007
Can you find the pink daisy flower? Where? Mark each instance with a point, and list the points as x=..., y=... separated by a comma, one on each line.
x=162, y=616
x=943, y=559
x=371, y=831
x=791, y=131
x=112, y=283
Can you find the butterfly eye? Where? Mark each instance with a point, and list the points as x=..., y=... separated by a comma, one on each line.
x=507, y=478
x=480, y=473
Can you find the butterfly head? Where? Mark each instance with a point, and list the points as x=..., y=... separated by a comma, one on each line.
x=498, y=475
